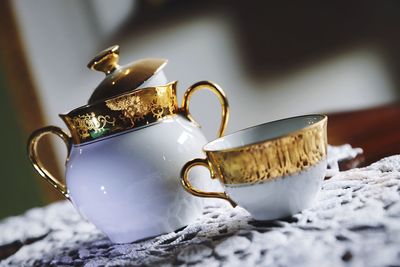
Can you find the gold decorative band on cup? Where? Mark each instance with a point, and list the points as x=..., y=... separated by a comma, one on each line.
x=121, y=113
x=271, y=159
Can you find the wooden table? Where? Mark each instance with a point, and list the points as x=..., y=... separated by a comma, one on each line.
x=375, y=130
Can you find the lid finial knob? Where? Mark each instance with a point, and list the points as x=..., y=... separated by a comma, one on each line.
x=106, y=61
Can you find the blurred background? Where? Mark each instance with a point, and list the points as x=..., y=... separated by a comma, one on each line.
x=273, y=60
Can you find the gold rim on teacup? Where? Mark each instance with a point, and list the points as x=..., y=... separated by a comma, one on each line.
x=264, y=159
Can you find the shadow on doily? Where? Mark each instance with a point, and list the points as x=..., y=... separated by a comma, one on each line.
x=9, y=249
x=189, y=244
x=176, y=248
x=263, y=226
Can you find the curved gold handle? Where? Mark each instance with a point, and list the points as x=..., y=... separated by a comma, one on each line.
x=189, y=188
x=221, y=97
x=36, y=162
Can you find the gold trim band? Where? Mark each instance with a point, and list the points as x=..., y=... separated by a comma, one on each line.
x=271, y=159
x=118, y=114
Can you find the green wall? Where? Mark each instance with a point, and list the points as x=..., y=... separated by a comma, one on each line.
x=19, y=189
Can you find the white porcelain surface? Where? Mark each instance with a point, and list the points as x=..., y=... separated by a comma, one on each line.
x=128, y=185
x=280, y=197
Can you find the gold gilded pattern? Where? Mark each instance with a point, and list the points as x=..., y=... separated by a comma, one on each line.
x=87, y=123
x=132, y=110
x=137, y=106
x=261, y=162
x=271, y=159
x=124, y=112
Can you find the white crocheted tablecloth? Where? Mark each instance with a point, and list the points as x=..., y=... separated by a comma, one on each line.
x=354, y=222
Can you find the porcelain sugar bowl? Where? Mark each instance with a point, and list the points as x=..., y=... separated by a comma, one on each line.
x=126, y=148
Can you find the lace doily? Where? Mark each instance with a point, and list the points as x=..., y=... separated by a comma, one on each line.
x=355, y=222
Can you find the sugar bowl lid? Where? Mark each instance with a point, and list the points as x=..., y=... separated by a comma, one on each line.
x=121, y=79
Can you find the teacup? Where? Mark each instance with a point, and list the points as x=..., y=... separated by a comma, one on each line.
x=273, y=170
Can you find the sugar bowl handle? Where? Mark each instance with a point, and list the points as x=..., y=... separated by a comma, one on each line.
x=37, y=163
x=217, y=91
x=196, y=192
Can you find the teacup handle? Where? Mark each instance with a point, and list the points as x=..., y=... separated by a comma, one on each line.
x=199, y=193
x=37, y=163
x=213, y=87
